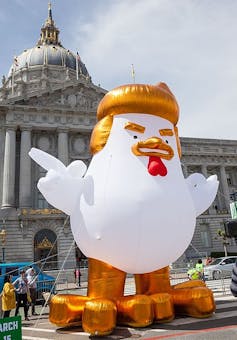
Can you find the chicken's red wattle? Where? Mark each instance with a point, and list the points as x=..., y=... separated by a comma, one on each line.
x=156, y=166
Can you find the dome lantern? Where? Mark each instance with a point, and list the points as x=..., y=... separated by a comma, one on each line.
x=49, y=32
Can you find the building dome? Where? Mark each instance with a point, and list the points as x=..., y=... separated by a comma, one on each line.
x=48, y=54
x=43, y=67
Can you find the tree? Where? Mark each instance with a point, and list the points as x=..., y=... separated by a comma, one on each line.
x=222, y=234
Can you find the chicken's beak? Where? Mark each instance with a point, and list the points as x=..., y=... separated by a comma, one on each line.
x=157, y=145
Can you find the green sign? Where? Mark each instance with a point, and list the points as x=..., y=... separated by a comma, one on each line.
x=233, y=210
x=10, y=328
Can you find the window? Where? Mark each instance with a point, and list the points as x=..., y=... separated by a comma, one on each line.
x=233, y=259
x=205, y=236
x=228, y=178
x=41, y=201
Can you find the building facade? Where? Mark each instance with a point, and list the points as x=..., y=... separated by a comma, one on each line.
x=212, y=156
x=49, y=101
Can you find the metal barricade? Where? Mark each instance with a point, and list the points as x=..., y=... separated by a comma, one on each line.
x=43, y=287
x=65, y=281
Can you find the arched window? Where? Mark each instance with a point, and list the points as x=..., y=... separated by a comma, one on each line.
x=45, y=248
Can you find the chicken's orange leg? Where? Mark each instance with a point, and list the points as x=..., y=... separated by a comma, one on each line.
x=190, y=298
x=105, y=281
x=157, y=286
x=97, y=311
x=106, y=286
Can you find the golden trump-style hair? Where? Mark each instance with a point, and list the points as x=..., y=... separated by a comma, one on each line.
x=156, y=100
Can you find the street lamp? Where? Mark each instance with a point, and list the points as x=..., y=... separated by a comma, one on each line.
x=3, y=237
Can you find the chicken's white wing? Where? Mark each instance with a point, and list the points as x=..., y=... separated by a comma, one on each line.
x=203, y=191
x=62, y=185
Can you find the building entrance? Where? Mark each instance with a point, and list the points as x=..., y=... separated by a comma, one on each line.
x=45, y=249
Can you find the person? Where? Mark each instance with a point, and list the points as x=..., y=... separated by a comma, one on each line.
x=8, y=296
x=75, y=277
x=32, y=283
x=77, y=274
x=28, y=270
x=233, y=283
x=200, y=269
x=208, y=261
x=193, y=274
x=22, y=292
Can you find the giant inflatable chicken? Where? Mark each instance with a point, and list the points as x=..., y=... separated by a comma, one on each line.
x=131, y=211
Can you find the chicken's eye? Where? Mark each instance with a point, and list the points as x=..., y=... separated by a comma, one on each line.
x=167, y=142
x=135, y=137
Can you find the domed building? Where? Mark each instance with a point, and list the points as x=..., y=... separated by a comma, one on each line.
x=48, y=101
x=45, y=66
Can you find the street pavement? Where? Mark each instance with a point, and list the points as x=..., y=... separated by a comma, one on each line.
x=222, y=325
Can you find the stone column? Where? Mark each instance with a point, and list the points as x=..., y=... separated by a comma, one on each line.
x=8, y=195
x=25, y=170
x=225, y=188
x=204, y=170
x=63, y=146
x=2, y=146
x=185, y=170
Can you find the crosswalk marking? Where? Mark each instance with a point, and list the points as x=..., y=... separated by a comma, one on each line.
x=159, y=330
x=38, y=329
x=225, y=305
x=47, y=330
x=25, y=337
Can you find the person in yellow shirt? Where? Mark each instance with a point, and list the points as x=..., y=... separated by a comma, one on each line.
x=200, y=268
x=8, y=296
x=193, y=274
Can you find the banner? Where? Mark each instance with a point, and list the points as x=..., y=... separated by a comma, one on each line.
x=10, y=328
x=233, y=210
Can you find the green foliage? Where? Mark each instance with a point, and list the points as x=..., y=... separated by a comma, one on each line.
x=222, y=234
x=225, y=240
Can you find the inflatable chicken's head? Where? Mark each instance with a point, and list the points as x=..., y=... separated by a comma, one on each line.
x=156, y=100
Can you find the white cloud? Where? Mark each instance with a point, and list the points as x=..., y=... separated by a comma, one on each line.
x=189, y=44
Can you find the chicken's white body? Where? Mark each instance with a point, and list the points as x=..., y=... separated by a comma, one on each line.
x=123, y=215
x=137, y=222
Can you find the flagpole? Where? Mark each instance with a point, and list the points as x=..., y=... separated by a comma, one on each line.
x=77, y=66
x=133, y=74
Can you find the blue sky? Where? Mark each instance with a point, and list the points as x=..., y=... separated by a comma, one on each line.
x=188, y=44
